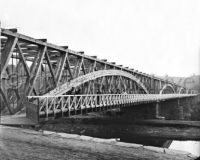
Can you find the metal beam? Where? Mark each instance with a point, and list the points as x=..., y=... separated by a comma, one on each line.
x=50, y=67
x=7, y=52
x=61, y=66
x=35, y=71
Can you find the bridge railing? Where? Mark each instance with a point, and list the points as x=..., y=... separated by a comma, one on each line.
x=76, y=104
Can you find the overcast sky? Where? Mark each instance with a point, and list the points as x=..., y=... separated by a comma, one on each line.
x=152, y=36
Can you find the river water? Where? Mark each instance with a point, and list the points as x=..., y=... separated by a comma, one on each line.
x=189, y=146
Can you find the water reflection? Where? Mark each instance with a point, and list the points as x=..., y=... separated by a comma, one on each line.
x=189, y=146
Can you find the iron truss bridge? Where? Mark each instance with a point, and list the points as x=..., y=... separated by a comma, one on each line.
x=67, y=105
x=34, y=67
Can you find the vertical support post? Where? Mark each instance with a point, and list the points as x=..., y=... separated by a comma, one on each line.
x=81, y=104
x=86, y=104
x=180, y=110
x=187, y=108
x=157, y=110
x=98, y=103
x=54, y=107
x=152, y=85
x=69, y=105
x=157, y=116
x=38, y=110
x=47, y=109
x=62, y=108
x=160, y=83
x=75, y=103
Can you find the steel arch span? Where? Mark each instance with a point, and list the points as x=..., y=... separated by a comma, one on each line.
x=121, y=80
x=167, y=88
x=182, y=90
x=34, y=67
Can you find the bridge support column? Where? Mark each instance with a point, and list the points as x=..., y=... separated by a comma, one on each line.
x=157, y=110
x=186, y=109
x=157, y=106
x=180, y=110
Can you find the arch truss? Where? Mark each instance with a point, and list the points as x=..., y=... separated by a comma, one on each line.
x=34, y=67
x=167, y=89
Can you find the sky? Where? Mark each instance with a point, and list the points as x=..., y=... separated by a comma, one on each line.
x=160, y=37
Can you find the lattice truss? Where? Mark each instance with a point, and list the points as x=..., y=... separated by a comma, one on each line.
x=34, y=67
x=77, y=104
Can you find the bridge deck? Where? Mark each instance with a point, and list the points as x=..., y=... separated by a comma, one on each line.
x=49, y=106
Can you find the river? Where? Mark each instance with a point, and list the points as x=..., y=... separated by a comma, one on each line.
x=189, y=146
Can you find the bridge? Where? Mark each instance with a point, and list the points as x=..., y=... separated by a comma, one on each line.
x=48, y=80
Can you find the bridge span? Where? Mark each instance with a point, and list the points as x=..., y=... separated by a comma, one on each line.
x=57, y=79
x=44, y=107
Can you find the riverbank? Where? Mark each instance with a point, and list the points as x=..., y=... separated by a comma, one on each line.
x=17, y=143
